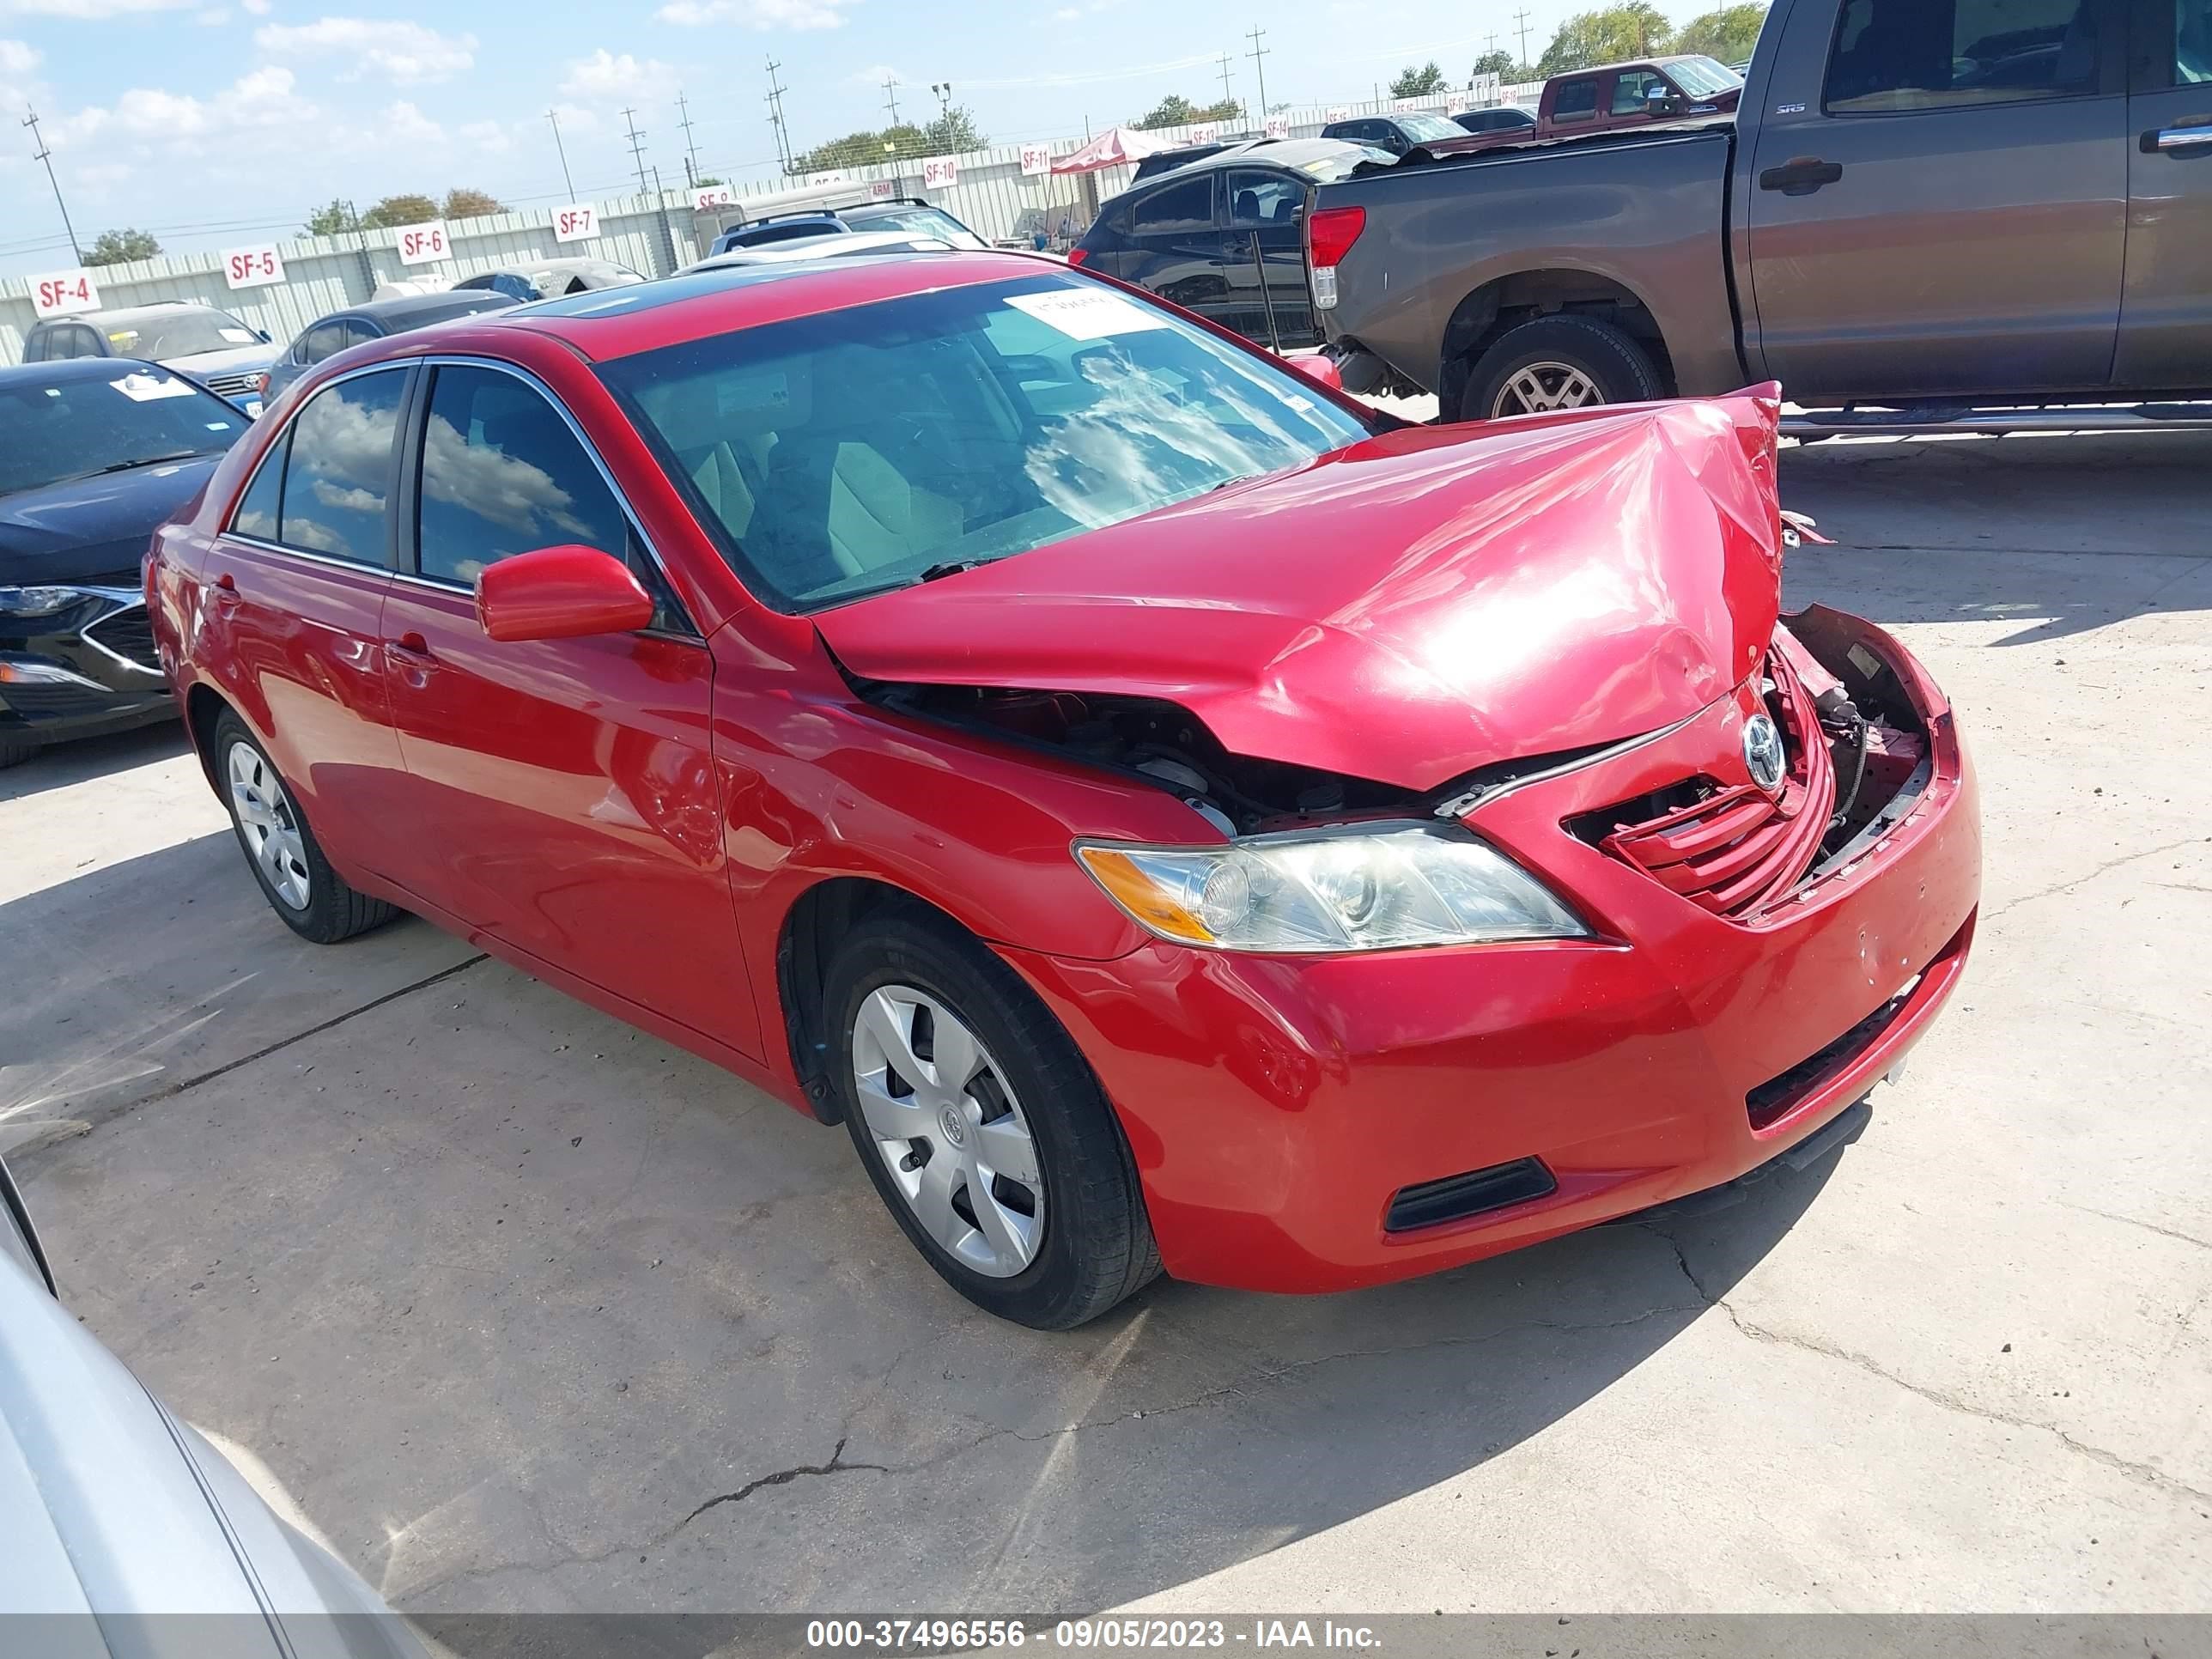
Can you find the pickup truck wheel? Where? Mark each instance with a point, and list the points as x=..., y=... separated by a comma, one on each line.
x=1555, y=363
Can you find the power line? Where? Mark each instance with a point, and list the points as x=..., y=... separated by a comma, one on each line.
x=890, y=97
x=637, y=149
x=775, y=116
x=1521, y=22
x=1259, y=69
x=43, y=154
x=1226, y=97
x=562, y=150
x=690, y=149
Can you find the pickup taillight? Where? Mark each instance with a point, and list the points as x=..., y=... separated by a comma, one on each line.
x=1330, y=233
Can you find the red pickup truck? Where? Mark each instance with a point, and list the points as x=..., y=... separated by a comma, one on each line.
x=1630, y=95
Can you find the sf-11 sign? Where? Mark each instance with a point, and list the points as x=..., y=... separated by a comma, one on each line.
x=424, y=244
x=253, y=267
x=1035, y=159
x=64, y=294
x=579, y=221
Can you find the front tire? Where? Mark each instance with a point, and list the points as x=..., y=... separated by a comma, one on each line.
x=15, y=750
x=1557, y=363
x=281, y=850
x=982, y=1125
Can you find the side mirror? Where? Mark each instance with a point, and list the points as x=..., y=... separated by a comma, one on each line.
x=559, y=593
x=1320, y=368
x=1661, y=105
x=263, y=333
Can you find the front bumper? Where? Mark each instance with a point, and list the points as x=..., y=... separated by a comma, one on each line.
x=88, y=669
x=1276, y=1105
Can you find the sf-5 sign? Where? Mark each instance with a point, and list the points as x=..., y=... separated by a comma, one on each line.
x=64, y=294
x=579, y=221
x=253, y=267
x=424, y=244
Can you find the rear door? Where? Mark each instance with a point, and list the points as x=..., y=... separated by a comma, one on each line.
x=1938, y=198
x=1266, y=219
x=562, y=791
x=295, y=588
x=1178, y=249
x=2166, y=312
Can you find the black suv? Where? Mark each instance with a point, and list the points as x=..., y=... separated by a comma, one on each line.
x=910, y=214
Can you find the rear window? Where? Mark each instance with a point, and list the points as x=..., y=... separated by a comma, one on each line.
x=1576, y=101
x=1185, y=206
x=1892, y=55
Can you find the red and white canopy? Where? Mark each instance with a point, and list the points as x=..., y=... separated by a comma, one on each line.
x=1116, y=147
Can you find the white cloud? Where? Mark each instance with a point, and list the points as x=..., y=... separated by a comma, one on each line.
x=264, y=98
x=214, y=18
x=408, y=54
x=604, y=76
x=89, y=11
x=758, y=14
x=19, y=58
x=259, y=8
x=875, y=74
x=488, y=136
x=404, y=124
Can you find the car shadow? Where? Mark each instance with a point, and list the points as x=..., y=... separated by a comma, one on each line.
x=526, y=1311
x=2057, y=536
x=77, y=760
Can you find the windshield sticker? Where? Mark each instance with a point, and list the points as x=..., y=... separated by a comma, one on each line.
x=149, y=388
x=237, y=336
x=219, y=426
x=1083, y=314
x=123, y=337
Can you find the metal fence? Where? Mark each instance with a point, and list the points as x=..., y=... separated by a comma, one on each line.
x=986, y=190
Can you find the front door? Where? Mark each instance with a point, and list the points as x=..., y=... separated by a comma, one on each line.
x=1178, y=250
x=1937, y=202
x=2165, y=316
x=1266, y=218
x=296, y=581
x=562, y=793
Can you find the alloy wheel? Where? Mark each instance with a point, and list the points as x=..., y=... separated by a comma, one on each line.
x=1543, y=388
x=271, y=830
x=948, y=1126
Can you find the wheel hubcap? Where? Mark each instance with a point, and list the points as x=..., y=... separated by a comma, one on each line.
x=948, y=1127
x=1541, y=388
x=266, y=820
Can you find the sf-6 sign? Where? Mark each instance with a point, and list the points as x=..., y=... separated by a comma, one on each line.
x=424, y=244
x=579, y=221
x=64, y=294
x=253, y=267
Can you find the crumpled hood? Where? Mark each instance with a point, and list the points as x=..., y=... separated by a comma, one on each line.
x=1408, y=610
x=201, y=364
x=88, y=528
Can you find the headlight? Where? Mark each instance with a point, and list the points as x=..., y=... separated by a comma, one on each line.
x=1369, y=887
x=37, y=601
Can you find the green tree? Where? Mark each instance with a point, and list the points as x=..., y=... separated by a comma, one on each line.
x=400, y=211
x=857, y=149
x=1729, y=34
x=463, y=202
x=1501, y=64
x=1424, y=81
x=1173, y=110
x=1637, y=29
x=954, y=132
x=334, y=219
x=117, y=248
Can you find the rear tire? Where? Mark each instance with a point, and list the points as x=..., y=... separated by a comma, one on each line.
x=13, y=751
x=280, y=848
x=1051, y=1251
x=1556, y=363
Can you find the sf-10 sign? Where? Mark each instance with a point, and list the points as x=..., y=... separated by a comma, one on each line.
x=940, y=173
x=253, y=267
x=424, y=244
x=64, y=294
x=579, y=221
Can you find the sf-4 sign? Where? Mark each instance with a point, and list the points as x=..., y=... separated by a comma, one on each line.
x=64, y=294
x=579, y=221
x=424, y=244
x=253, y=267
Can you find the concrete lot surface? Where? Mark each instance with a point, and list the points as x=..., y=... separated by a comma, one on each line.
x=520, y=1310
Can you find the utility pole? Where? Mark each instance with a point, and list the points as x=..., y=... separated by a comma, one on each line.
x=43, y=154
x=562, y=150
x=660, y=213
x=890, y=97
x=1225, y=95
x=636, y=149
x=1259, y=69
x=690, y=149
x=1521, y=22
x=775, y=116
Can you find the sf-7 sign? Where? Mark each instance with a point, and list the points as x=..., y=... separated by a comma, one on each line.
x=424, y=244
x=579, y=221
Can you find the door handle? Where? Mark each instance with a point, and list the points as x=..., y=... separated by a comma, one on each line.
x=411, y=652
x=224, y=594
x=1800, y=175
x=2179, y=141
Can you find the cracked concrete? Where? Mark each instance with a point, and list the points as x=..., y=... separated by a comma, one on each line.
x=526, y=1311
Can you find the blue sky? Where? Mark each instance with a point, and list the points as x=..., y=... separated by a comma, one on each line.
x=221, y=122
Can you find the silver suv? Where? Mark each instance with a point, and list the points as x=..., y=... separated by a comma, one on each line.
x=201, y=344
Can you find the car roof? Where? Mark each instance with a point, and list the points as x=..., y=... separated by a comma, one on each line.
x=455, y=301
x=1290, y=153
x=616, y=322
x=847, y=243
x=1657, y=61
x=79, y=368
x=135, y=313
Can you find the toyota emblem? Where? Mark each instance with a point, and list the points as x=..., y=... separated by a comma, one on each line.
x=1762, y=752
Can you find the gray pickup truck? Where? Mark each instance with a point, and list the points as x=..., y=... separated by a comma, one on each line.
x=1921, y=207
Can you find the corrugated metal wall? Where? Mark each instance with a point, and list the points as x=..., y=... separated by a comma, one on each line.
x=989, y=193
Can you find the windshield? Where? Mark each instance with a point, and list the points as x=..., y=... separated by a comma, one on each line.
x=1425, y=129
x=75, y=427
x=921, y=220
x=183, y=334
x=870, y=448
x=1702, y=77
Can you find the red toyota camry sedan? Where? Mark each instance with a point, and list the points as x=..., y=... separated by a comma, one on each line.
x=1175, y=816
